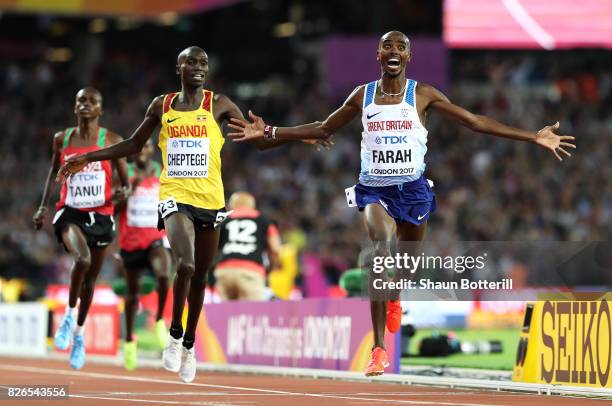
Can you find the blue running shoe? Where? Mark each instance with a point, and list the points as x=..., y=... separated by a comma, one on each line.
x=77, y=352
x=64, y=332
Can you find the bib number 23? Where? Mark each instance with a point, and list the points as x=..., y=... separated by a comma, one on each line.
x=165, y=207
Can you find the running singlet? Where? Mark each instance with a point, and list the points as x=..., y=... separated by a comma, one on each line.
x=191, y=142
x=393, y=143
x=138, y=221
x=244, y=240
x=91, y=188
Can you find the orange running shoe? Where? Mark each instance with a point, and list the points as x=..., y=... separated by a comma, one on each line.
x=378, y=362
x=394, y=316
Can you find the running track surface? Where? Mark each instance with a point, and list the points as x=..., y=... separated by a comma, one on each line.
x=109, y=385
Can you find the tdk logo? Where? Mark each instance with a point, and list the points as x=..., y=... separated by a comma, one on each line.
x=86, y=176
x=393, y=139
x=187, y=143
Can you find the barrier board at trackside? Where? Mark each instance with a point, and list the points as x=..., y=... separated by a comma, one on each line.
x=102, y=324
x=23, y=328
x=311, y=333
x=566, y=343
x=101, y=329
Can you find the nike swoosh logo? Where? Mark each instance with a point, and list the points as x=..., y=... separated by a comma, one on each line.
x=174, y=119
x=375, y=114
x=422, y=216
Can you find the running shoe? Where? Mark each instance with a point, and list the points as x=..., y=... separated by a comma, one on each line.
x=394, y=316
x=171, y=356
x=130, y=356
x=161, y=332
x=378, y=362
x=63, y=335
x=188, y=365
x=77, y=352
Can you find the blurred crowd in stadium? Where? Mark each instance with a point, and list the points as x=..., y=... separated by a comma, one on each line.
x=487, y=189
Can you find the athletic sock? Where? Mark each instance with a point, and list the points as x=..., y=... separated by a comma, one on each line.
x=188, y=342
x=79, y=330
x=176, y=332
x=71, y=311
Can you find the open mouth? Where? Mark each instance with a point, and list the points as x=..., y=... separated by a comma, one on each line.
x=393, y=62
x=198, y=76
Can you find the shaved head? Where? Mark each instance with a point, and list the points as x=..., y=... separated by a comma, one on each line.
x=395, y=35
x=90, y=91
x=189, y=51
x=241, y=200
x=88, y=103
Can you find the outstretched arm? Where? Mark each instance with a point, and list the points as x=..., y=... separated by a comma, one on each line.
x=121, y=149
x=546, y=137
x=120, y=164
x=227, y=110
x=40, y=214
x=258, y=130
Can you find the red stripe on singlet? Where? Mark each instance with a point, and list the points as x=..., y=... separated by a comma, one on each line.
x=206, y=101
x=168, y=101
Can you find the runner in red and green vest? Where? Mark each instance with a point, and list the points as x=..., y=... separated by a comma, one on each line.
x=83, y=221
x=142, y=246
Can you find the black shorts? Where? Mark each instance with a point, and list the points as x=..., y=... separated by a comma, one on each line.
x=204, y=218
x=99, y=229
x=139, y=258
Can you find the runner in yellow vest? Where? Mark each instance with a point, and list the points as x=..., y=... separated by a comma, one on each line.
x=191, y=189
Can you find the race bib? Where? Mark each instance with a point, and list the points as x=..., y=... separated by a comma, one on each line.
x=351, y=200
x=187, y=157
x=221, y=216
x=165, y=207
x=142, y=211
x=392, y=156
x=86, y=190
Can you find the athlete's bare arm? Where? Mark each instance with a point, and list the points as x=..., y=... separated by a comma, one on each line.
x=225, y=109
x=121, y=149
x=39, y=216
x=230, y=112
x=429, y=98
x=320, y=130
x=274, y=248
x=121, y=166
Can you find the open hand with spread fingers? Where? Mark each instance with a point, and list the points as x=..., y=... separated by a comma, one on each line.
x=71, y=166
x=547, y=138
x=245, y=131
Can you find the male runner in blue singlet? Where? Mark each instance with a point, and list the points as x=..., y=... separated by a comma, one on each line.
x=392, y=190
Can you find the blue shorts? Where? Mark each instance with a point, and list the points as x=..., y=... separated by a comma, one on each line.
x=411, y=202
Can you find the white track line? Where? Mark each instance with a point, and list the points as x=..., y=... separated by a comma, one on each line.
x=531, y=27
x=165, y=381
x=347, y=376
x=291, y=394
x=168, y=402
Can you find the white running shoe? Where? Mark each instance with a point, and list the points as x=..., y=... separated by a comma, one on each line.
x=171, y=356
x=188, y=365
